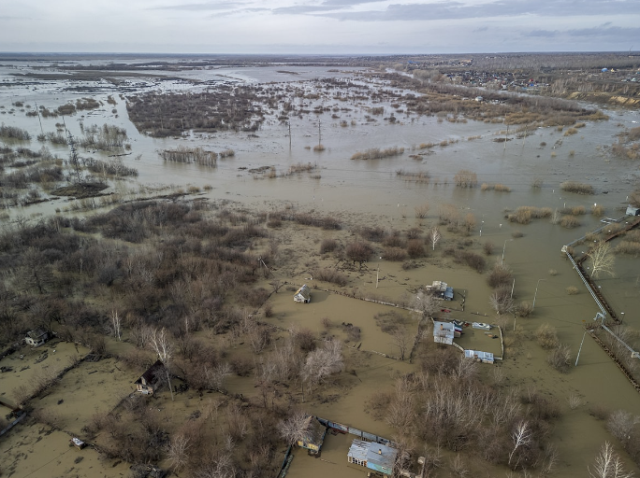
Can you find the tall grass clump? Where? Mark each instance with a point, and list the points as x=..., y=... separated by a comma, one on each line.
x=377, y=153
x=576, y=187
x=183, y=154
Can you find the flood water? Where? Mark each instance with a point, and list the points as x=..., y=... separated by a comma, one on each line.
x=369, y=193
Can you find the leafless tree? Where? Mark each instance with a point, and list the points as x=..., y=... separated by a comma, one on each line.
x=521, y=437
x=602, y=259
x=402, y=339
x=177, y=452
x=621, y=425
x=427, y=303
x=293, y=428
x=501, y=301
x=216, y=375
x=435, y=237
x=115, y=322
x=608, y=464
x=323, y=362
x=162, y=346
x=275, y=284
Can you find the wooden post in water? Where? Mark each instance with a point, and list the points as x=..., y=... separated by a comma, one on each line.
x=289, y=134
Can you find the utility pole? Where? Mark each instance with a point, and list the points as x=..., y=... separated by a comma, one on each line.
x=319, y=133
x=377, y=275
x=289, y=134
x=505, y=140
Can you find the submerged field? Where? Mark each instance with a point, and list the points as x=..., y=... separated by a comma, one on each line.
x=202, y=223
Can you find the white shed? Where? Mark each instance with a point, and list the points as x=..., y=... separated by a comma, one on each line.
x=484, y=357
x=633, y=211
x=303, y=294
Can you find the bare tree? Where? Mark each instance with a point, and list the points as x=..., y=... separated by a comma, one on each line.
x=177, y=452
x=501, y=301
x=602, y=259
x=427, y=303
x=275, y=284
x=293, y=427
x=621, y=425
x=435, y=237
x=402, y=339
x=161, y=344
x=115, y=322
x=521, y=437
x=608, y=464
x=323, y=362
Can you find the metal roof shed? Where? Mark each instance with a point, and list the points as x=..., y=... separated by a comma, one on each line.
x=484, y=357
x=443, y=332
x=375, y=456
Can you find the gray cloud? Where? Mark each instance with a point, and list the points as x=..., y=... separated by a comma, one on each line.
x=452, y=10
x=348, y=3
x=608, y=34
x=199, y=7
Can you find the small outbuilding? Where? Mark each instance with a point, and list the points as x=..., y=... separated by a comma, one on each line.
x=374, y=456
x=314, y=434
x=303, y=294
x=441, y=289
x=152, y=379
x=484, y=357
x=444, y=332
x=36, y=337
x=633, y=211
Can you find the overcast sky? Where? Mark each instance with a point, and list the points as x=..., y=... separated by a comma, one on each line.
x=318, y=26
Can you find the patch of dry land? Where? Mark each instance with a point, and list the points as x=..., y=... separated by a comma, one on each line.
x=168, y=290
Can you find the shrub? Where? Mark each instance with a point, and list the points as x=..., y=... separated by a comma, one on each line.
x=328, y=245
x=524, y=309
x=547, y=336
x=517, y=234
x=560, y=358
x=359, y=252
x=395, y=254
x=422, y=211
x=598, y=210
x=415, y=248
x=473, y=260
x=500, y=276
x=330, y=275
x=569, y=221
x=377, y=153
x=576, y=187
x=465, y=179
x=627, y=247
x=571, y=290
x=488, y=248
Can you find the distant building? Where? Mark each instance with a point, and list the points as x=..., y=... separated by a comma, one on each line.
x=441, y=289
x=633, y=211
x=444, y=332
x=36, y=337
x=152, y=379
x=484, y=357
x=374, y=456
x=313, y=436
x=303, y=294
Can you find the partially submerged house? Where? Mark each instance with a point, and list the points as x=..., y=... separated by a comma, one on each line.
x=484, y=357
x=152, y=379
x=36, y=337
x=444, y=332
x=374, y=456
x=313, y=437
x=633, y=211
x=441, y=290
x=303, y=295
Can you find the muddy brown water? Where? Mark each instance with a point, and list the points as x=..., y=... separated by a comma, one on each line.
x=369, y=193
